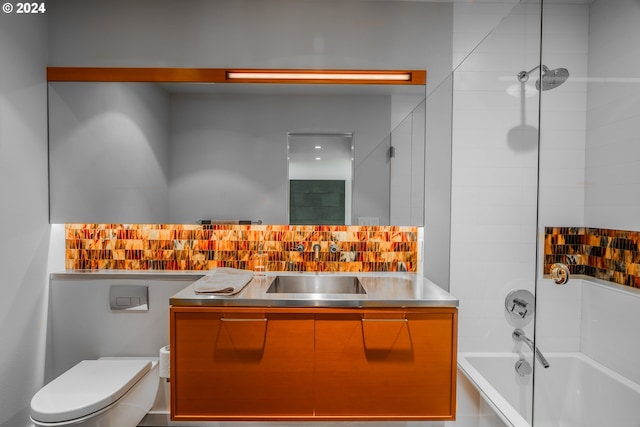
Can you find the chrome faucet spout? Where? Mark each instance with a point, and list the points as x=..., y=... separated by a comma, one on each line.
x=519, y=335
x=316, y=252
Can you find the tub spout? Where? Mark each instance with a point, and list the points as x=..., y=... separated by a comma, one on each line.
x=519, y=335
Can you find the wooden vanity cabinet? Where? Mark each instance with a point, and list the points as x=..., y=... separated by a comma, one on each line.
x=239, y=364
x=386, y=364
x=236, y=363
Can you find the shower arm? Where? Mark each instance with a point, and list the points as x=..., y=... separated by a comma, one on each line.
x=523, y=76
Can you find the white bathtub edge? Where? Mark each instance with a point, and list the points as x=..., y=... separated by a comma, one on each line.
x=500, y=406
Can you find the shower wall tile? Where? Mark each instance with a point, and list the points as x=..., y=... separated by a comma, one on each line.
x=607, y=318
x=493, y=191
x=613, y=154
x=612, y=255
x=203, y=247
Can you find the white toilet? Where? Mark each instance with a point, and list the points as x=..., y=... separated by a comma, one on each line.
x=108, y=392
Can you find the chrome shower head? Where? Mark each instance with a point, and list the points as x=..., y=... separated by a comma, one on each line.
x=550, y=79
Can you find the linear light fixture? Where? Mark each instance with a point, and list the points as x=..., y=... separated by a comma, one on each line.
x=322, y=76
x=326, y=76
x=317, y=76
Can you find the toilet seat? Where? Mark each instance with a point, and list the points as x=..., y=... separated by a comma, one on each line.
x=86, y=389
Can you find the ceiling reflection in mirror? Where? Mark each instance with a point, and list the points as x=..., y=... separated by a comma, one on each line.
x=183, y=152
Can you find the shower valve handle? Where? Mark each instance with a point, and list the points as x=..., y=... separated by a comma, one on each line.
x=559, y=273
x=519, y=307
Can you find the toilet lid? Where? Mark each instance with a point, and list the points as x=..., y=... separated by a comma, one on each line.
x=86, y=388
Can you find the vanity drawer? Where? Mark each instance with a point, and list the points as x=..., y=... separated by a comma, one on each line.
x=241, y=363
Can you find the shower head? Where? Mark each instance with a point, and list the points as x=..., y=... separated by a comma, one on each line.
x=550, y=79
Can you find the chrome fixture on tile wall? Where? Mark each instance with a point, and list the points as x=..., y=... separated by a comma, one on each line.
x=559, y=273
x=520, y=304
x=551, y=79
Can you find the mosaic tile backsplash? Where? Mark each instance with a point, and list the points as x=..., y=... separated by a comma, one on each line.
x=203, y=247
x=612, y=255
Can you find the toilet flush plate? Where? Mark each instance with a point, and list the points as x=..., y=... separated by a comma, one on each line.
x=129, y=298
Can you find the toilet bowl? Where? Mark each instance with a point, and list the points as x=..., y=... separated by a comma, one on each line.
x=107, y=392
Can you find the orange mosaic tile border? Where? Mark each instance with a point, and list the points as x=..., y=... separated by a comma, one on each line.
x=203, y=247
x=612, y=255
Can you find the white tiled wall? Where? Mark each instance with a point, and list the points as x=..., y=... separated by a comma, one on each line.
x=590, y=158
x=473, y=22
x=613, y=151
x=494, y=177
x=558, y=318
x=562, y=154
x=612, y=175
x=563, y=116
x=610, y=314
x=494, y=172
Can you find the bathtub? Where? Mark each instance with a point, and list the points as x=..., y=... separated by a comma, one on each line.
x=575, y=391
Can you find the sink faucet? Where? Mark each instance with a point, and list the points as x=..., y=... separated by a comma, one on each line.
x=518, y=335
x=316, y=252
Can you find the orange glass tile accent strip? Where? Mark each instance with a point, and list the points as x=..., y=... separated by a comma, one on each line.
x=612, y=255
x=203, y=247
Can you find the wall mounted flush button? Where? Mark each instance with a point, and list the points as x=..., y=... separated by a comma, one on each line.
x=129, y=298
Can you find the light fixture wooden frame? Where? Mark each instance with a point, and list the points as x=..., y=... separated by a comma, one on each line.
x=224, y=75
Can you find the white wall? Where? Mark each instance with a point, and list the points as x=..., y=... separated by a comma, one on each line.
x=437, y=193
x=613, y=151
x=612, y=176
x=109, y=152
x=408, y=169
x=588, y=175
x=252, y=33
x=562, y=166
x=589, y=172
x=494, y=170
x=83, y=326
x=610, y=314
x=495, y=174
x=588, y=153
x=590, y=156
x=24, y=225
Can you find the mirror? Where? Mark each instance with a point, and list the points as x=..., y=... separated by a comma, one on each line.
x=138, y=152
x=320, y=177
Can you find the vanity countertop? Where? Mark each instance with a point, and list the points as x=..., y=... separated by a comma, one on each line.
x=382, y=290
x=390, y=289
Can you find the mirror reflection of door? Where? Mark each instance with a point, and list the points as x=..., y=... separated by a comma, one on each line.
x=320, y=177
